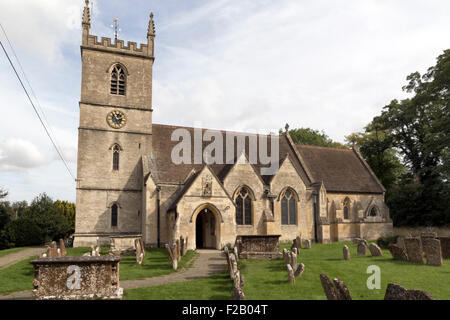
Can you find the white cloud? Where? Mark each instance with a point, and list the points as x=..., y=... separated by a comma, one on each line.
x=18, y=154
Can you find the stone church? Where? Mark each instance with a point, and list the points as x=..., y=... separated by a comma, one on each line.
x=128, y=185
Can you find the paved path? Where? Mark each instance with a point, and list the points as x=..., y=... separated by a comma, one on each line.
x=12, y=258
x=209, y=262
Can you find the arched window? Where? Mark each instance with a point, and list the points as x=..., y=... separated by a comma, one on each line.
x=114, y=215
x=346, y=208
x=243, y=207
x=118, y=80
x=373, y=212
x=288, y=208
x=116, y=151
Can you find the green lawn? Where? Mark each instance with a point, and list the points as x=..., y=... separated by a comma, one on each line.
x=268, y=280
x=19, y=276
x=217, y=287
x=12, y=250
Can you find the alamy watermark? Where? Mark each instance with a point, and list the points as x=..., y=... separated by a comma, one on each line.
x=226, y=148
x=374, y=281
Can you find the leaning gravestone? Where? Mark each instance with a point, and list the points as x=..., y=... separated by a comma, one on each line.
x=328, y=288
x=346, y=253
x=362, y=248
x=290, y=272
x=432, y=249
x=414, y=250
x=375, y=250
x=342, y=290
x=397, y=252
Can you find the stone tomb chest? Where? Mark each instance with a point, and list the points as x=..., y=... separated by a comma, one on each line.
x=258, y=246
x=76, y=278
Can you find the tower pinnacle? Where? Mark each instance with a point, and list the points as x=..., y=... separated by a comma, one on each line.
x=86, y=16
x=151, y=26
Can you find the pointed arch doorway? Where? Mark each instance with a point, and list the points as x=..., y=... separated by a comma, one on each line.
x=207, y=228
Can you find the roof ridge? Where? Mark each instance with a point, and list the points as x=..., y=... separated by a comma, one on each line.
x=322, y=147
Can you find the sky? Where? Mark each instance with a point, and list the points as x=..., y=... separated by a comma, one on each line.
x=241, y=65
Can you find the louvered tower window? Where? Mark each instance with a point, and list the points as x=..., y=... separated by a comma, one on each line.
x=118, y=81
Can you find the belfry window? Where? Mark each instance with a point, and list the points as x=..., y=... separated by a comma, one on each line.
x=114, y=215
x=243, y=207
x=118, y=80
x=116, y=151
x=288, y=208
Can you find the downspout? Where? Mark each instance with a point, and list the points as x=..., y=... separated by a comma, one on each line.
x=158, y=210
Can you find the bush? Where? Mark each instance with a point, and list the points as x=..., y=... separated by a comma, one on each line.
x=384, y=242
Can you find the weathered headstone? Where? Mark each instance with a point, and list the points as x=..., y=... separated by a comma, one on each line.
x=308, y=244
x=54, y=250
x=427, y=235
x=346, y=252
x=342, y=290
x=300, y=270
x=401, y=243
x=295, y=250
x=62, y=247
x=178, y=248
x=375, y=250
x=293, y=261
x=356, y=240
x=432, y=249
x=362, y=248
x=290, y=272
x=328, y=287
x=397, y=252
x=236, y=252
x=286, y=256
x=445, y=247
x=172, y=257
x=397, y=292
x=414, y=250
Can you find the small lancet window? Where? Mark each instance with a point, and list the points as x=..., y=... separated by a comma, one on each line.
x=114, y=215
x=116, y=151
x=346, y=208
x=118, y=80
x=373, y=212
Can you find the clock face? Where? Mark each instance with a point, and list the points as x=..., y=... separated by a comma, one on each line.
x=116, y=119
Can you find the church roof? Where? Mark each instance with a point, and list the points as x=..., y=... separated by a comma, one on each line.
x=341, y=170
x=169, y=172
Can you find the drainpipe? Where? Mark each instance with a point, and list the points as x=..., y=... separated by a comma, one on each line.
x=158, y=210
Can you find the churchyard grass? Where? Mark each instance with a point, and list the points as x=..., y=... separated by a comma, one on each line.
x=268, y=279
x=216, y=287
x=4, y=252
x=19, y=276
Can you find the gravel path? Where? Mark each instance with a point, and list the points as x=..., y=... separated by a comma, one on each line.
x=15, y=257
x=209, y=262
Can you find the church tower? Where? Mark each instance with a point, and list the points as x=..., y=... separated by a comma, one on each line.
x=114, y=134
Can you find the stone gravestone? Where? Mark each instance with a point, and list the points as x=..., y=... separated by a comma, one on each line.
x=53, y=250
x=362, y=248
x=342, y=290
x=401, y=243
x=328, y=287
x=432, y=249
x=293, y=261
x=356, y=240
x=427, y=235
x=62, y=248
x=139, y=251
x=414, y=250
x=346, y=252
x=397, y=252
x=397, y=292
x=76, y=278
x=375, y=250
x=308, y=244
x=290, y=272
x=445, y=247
x=300, y=270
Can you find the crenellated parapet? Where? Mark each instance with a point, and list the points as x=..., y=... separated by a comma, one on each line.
x=90, y=41
x=118, y=46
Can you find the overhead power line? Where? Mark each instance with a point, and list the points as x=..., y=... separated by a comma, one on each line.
x=33, y=105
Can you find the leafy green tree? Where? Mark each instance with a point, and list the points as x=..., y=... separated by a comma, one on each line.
x=375, y=146
x=67, y=210
x=312, y=137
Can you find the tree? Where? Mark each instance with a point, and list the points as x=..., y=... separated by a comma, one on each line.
x=375, y=146
x=67, y=210
x=3, y=193
x=312, y=137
